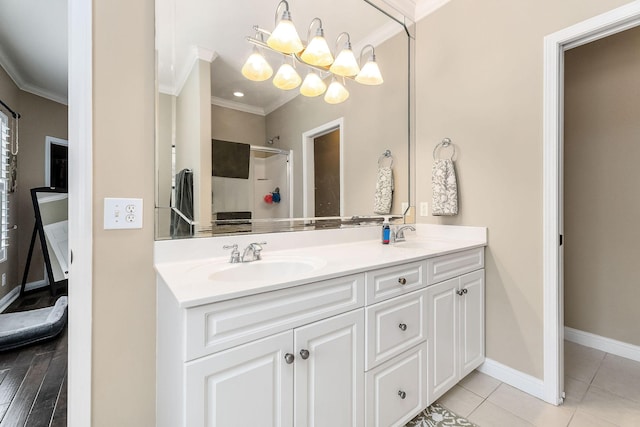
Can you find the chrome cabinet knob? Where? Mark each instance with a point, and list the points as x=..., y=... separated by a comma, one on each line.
x=402, y=326
x=402, y=281
x=304, y=354
x=465, y=290
x=402, y=394
x=460, y=293
x=289, y=358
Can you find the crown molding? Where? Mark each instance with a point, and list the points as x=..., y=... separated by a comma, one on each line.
x=197, y=54
x=406, y=7
x=237, y=106
x=427, y=7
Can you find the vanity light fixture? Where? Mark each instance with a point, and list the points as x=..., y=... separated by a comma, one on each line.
x=313, y=85
x=336, y=93
x=370, y=73
x=317, y=57
x=317, y=51
x=285, y=38
x=345, y=63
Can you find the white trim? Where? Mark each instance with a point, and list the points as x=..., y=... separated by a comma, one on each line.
x=605, y=344
x=427, y=7
x=11, y=71
x=9, y=298
x=555, y=44
x=80, y=39
x=197, y=54
x=224, y=103
x=48, y=141
x=308, y=199
x=525, y=382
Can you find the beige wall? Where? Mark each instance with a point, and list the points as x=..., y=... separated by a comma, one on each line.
x=602, y=203
x=237, y=126
x=479, y=82
x=193, y=137
x=40, y=117
x=375, y=120
x=124, y=295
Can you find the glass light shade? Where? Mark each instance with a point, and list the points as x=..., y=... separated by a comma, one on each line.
x=370, y=74
x=257, y=68
x=336, y=93
x=286, y=78
x=345, y=64
x=285, y=38
x=312, y=85
x=317, y=52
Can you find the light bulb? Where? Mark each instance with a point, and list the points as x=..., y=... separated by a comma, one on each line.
x=370, y=74
x=336, y=93
x=286, y=78
x=345, y=64
x=257, y=68
x=312, y=85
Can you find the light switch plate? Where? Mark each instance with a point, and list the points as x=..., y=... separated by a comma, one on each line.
x=122, y=213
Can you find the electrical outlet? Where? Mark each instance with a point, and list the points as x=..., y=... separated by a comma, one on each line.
x=122, y=213
x=424, y=209
x=4, y=279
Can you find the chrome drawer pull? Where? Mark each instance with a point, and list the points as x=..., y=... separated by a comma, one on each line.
x=402, y=394
x=289, y=358
x=402, y=326
x=460, y=293
x=402, y=281
x=304, y=354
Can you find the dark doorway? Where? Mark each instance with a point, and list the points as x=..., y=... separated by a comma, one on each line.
x=326, y=155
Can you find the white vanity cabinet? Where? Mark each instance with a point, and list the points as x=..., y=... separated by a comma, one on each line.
x=309, y=376
x=455, y=326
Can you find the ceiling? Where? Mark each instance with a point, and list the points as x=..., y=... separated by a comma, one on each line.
x=33, y=46
x=33, y=40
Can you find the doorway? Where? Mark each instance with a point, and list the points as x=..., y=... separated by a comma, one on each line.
x=56, y=162
x=323, y=170
x=555, y=45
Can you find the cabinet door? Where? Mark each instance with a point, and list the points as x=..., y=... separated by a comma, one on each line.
x=329, y=372
x=471, y=322
x=442, y=308
x=247, y=385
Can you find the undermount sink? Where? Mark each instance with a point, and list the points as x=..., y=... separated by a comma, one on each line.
x=265, y=269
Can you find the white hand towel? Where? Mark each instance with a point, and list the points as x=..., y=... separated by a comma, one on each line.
x=444, y=187
x=384, y=191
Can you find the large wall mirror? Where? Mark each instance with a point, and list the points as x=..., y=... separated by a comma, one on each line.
x=238, y=155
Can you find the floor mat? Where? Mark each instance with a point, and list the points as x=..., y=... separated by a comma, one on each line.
x=438, y=416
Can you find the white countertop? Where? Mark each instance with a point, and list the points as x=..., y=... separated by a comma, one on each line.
x=188, y=279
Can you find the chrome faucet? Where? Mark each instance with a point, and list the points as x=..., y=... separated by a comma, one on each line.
x=399, y=234
x=254, y=249
x=235, y=254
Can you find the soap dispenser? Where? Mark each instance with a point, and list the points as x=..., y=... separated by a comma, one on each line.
x=386, y=231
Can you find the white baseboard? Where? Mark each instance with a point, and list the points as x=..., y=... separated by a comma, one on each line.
x=6, y=300
x=608, y=345
x=525, y=382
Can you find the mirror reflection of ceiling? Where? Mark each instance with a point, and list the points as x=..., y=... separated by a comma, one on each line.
x=219, y=29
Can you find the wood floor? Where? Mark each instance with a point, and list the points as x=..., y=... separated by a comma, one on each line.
x=33, y=386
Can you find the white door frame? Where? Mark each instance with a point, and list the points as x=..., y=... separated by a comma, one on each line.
x=612, y=22
x=308, y=196
x=79, y=383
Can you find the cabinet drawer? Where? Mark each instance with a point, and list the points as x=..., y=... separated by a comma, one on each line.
x=394, y=326
x=389, y=282
x=452, y=265
x=396, y=390
x=218, y=326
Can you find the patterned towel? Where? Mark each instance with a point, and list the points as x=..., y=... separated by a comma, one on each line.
x=444, y=187
x=384, y=191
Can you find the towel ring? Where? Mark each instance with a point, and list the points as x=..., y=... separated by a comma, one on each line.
x=446, y=142
x=385, y=155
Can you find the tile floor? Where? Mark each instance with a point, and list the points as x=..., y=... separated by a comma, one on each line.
x=602, y=390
